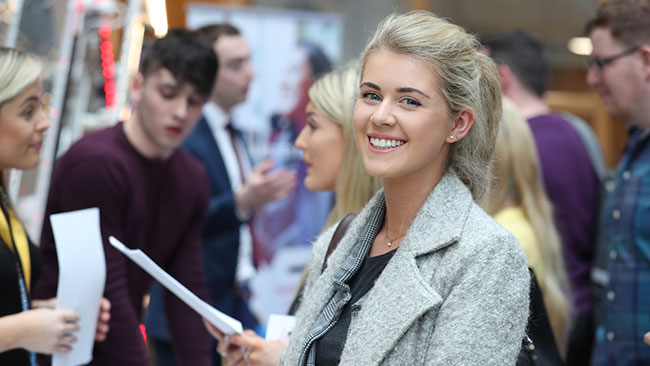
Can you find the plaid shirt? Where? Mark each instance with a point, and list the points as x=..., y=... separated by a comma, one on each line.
x=626, y=226
x=330, y=314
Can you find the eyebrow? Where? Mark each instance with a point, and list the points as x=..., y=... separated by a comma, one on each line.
x=399, y=90
x=30, y=99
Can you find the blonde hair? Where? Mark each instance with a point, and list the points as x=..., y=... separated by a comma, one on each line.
x=467, y=79
x=335, y=95
x=518, y=178
x=18, y=71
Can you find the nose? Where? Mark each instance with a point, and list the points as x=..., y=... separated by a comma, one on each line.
x=43, y=122
x=383, y=115
x=594, y=76
x=301, y=141
x=180, y=109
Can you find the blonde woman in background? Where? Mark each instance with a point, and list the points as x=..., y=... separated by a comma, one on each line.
x=329, y=149
x=26, y=327
x=518, y=201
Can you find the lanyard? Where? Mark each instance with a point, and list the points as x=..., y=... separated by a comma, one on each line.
x=24, y=297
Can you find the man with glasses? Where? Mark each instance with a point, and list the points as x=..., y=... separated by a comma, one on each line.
x=620, y=72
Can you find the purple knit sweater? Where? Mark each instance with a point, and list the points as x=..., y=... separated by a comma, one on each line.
x=573, y=187
x=157, y=206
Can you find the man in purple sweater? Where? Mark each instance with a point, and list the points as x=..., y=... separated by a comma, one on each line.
x=151, y=196
x=570, y=177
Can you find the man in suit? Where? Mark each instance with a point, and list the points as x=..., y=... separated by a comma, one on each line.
x=236, y=188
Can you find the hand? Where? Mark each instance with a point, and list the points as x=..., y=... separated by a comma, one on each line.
x=103, y=319
x=256, y=350
x=264, y=186
x=48, y=331
x=223, y=341
x=646, y=338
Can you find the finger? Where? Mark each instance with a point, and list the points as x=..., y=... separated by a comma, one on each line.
x=62, y=348
x=264, y=166
x=246, y=340
x=70, y=328
x=68, y=339
x=69, y=316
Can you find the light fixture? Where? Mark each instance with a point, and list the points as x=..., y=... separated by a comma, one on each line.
x=157, y=11
x=580, y=46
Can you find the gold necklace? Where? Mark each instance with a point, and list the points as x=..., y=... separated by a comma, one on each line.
x=390, y=241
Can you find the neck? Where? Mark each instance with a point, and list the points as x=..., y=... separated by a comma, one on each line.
x=404, y=197
x=529, y=104
x=227, y=109
x=138, y=138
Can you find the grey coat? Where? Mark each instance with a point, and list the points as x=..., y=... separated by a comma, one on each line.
x=454, y=293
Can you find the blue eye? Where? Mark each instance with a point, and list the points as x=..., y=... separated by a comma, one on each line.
x=371, y=96
x=411, y=102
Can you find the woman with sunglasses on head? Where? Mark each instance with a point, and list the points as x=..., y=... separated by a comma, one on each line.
x=26, y=327
x=333, y=164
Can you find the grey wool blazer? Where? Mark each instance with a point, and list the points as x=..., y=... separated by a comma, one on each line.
x=454, y=293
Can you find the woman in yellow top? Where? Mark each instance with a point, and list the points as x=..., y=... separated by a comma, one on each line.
x=26, y=327
x=518, y=201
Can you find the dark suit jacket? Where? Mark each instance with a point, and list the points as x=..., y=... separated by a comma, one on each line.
x=10, y=295
x=220, y=235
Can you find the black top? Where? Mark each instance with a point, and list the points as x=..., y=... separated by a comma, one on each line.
x=330, y=346
x=10, y=295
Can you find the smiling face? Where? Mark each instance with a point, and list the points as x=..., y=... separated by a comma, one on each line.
x=165, y=113
x=619, y=82
x=321, y=141
x=401, y=121
x=22, y=124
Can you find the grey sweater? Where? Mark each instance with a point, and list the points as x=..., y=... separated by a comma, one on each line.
x=454, y=293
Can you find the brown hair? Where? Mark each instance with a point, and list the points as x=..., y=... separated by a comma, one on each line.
x=628, y=20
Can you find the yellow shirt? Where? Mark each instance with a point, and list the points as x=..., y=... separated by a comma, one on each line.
x=514, y=220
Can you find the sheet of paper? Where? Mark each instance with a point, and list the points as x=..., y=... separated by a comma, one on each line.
x=279, y=327
x=82, y=275
x=223, y=322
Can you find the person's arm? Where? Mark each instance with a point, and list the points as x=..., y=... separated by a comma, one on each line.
x=190, y=340
x=95, y=183
x=39, y=330
x=482, y=320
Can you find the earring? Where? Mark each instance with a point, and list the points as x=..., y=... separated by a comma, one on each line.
x=452, y=137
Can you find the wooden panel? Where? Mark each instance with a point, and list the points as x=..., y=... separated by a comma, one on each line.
x=588, y=106
x=176, y=9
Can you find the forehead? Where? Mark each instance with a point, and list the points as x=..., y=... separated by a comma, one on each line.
x=603, y=41
x=164, y=78
x=398, y=70
x=228, y=47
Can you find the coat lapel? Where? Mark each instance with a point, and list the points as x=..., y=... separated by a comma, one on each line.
x=401, y=295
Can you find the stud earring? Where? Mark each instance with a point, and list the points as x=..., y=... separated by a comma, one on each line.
x=452, y=137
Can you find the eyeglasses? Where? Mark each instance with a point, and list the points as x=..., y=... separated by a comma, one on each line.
x=601, y=62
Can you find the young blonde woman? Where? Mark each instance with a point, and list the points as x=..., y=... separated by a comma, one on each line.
x=518, y=201
x=333, y=163
x=423, y=275
x=26, y=327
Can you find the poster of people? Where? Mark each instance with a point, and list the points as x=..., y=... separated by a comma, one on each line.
x=290, y=49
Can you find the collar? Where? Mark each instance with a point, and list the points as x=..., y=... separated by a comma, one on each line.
x=216, y=117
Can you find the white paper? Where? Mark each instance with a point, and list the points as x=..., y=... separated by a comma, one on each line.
x=82, y=275
x=223, y=322
x=280, y=327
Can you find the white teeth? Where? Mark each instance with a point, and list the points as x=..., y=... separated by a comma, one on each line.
x=385, y=143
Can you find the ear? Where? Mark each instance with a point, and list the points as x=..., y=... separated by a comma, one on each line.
x=137, y=85
x=463, y=122
x=506, y=76
x=644, y=51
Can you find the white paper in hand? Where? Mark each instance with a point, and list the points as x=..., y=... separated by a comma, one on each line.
x=82, y=275
x=223, y=322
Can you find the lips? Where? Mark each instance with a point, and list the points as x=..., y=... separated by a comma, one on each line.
x=173, y=131
x=37, y=146
x=384, y=143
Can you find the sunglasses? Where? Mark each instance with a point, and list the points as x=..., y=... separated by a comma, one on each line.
x=600, y=62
